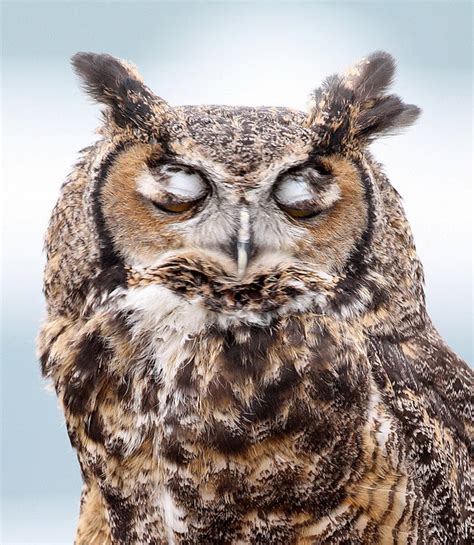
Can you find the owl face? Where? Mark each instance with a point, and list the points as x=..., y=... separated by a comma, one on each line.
x=246, y=192
x=246, y=207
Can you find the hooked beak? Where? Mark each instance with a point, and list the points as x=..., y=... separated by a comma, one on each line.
x=243, y=242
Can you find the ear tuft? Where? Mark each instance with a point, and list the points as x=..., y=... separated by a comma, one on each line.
x=372, y=76
x=118, y=85
x=387, y=116
x=101, y=75
x=351, y=110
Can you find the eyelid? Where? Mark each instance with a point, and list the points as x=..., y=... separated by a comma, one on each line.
x=293, y=190
x=183, y=184
x=175, y=185
x=306, y=193
x=303, y=185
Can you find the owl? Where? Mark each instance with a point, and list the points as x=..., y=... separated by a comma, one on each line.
x=236, y=327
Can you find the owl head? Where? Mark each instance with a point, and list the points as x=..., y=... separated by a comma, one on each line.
x=266, y=209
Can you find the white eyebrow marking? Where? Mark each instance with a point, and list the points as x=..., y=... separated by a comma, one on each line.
x=330, y=195
x=146, y=184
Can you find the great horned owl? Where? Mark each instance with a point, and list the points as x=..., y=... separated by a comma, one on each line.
x=237, y=331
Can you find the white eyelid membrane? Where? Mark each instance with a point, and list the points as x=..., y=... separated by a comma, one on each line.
x=293, y=190
x=181, y=184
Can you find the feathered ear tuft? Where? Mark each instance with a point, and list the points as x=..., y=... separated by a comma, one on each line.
x=118, y=85
x=371, y=76
x=351, y=110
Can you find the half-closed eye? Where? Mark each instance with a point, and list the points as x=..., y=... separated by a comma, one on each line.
x=172, y=188
x=306, y=192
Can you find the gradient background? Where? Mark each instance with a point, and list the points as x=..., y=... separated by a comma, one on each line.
x=203, y=52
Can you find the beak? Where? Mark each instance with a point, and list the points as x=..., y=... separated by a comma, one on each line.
x=243, y=242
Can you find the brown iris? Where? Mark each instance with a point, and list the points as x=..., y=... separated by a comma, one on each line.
x=300, y=213
x=176, y=207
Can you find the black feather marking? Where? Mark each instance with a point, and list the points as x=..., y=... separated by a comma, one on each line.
x=92, y=351
x=358, y=261
x=112, y=267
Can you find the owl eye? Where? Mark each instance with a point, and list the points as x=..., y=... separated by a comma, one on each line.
x=175, y=207
x=172, y=188
x=181, y=182
x=306, y=193
x=299, y=213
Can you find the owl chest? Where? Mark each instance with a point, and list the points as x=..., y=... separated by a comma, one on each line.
x=286, y=480
x=221, y=435
x=234, y=446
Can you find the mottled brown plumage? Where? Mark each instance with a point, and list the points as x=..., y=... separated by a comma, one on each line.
x=237, y=331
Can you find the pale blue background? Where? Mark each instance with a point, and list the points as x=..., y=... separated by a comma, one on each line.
x=237, y=53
